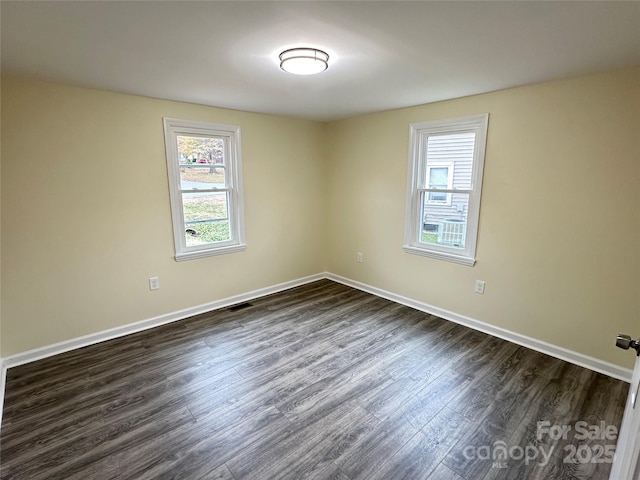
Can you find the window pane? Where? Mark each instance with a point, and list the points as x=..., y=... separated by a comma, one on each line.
x=207, y=232
x=437, y=197
x=202, y=162
x=438, y=177
x=445, y=224
x=205, y=206
x=192, y=178
x=206, y=217
x=456, y=149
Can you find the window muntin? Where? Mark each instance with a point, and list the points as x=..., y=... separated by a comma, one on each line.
x=442, y=220
x=203, y=161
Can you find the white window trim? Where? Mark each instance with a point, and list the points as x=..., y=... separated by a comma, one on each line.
x=418, y=135
x=449, y=165
x=233, y=167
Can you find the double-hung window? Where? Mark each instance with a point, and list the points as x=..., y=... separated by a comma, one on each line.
x=205, y=185
x=446, y=159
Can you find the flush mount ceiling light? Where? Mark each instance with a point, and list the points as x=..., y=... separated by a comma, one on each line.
x=304, y=61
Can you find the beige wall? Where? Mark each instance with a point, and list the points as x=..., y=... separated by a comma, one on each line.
x=0, y=227
x=560, y=214
x=86, y=220
x=86, y=215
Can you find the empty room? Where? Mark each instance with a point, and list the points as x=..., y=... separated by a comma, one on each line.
x=320, y=240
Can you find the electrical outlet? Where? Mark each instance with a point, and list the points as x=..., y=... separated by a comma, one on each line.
x=480, y=287
x=154, y=283
x=359, y=257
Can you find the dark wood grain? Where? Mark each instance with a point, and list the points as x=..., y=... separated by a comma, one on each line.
x=420, y=456
x=319, y=382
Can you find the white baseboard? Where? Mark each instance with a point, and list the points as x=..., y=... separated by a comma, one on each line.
x=93, y=338
x=576, y=358
x=570, y=356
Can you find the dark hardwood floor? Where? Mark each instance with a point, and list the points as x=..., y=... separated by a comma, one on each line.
x=317, y=382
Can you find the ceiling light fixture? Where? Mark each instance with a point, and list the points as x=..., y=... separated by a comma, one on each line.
x=304, y=61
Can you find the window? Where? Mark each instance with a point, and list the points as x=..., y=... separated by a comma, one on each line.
x=440, y=177
x=446, y=158
x=205, y=184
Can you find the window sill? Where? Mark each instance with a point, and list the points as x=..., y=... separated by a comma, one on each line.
x=181, y=257
x=448, y=257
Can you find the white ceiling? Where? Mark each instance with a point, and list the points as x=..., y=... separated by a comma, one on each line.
x=383, y=54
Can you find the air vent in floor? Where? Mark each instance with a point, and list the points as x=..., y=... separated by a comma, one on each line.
x=240, y=306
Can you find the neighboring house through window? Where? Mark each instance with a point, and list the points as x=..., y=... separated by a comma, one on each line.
x=446, y=161
x=205, y=185
x=440, y=177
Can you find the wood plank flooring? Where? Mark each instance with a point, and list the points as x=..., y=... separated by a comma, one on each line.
x=318, y=382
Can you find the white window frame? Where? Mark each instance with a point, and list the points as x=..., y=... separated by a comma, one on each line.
x=419, y=134
x=449, y=166
x=233, y=174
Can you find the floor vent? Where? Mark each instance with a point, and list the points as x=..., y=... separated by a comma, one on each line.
x=240, y=306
